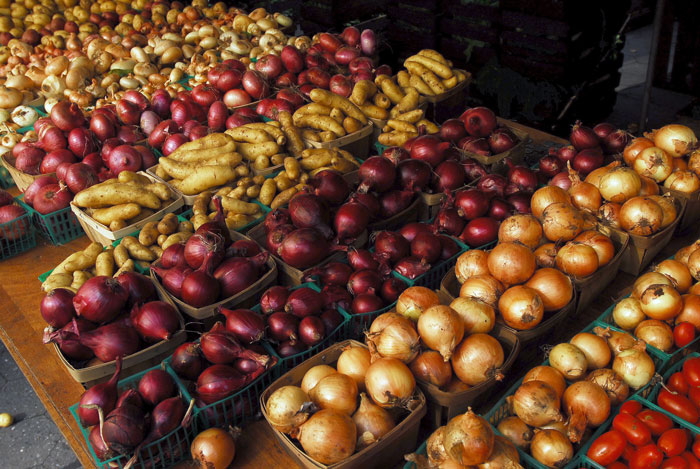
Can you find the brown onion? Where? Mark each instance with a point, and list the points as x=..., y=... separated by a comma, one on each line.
x=646, y=280
x=603, y=246
x=398, y=339
x=668, y=207
x=553, y=287
x=654, y=163
x=577, y=259
x=683, y=181
x=561, y=222
x=634, y=148
x=641, y=216
x=511, y=263
x=435, y=447
x=476, y=315
x=655, y=333
x=285, y=408
x=536, y=403
x=521, y=307
x=414, y=300
x=620, y=184
x=694, y=264
x=372, y=422
x=617, y=341
x=569, y=360
x=470, y=264
x=484, y=288
x=683, y=254
x=627, y=313
x=691, y=310
x=661, y=302
x=327, y=436
x=441, y=329
x=545, y=255
x=504, y=454
x=354, y=362
x=549, y=375
x=517, y=431
x=477, y=359
x=551, y=448
x=214, y=448
x=468, y=439
x=431, y=368
x=546, y=196
x=389, y=382
x=635, y=366
x=314, y=375
x=675, y=139
x=677, y=272
x=335, y=391
x=587, y=405
x=525, y=229
x=615, y=387
x=595, y=349
x=584, y=195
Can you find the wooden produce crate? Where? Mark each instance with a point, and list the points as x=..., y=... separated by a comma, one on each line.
x=641, y=250
x=443, y=406
x=242, y=299
x=450, y=288
x=515, y=154
x=385, y=453
x=588, y=288
x=22, y=179
x=100, y=233
x=131, y=364
x=357, y=143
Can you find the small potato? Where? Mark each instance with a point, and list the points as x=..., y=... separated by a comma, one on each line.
x=450, y=82
x=149, y=233
x=184, y=227
x=117, y=225
x=161, y=239
x=258, y=179
x=389, y=88
x=116, y=212
x=180, y=237
x=238, y=206
x=121, y=255
x=239, y=220
x=159, y=189
x=321, y=123
x=261, y=162
x=267, y=192
x=310, y=135
x=421, y=86
x=128, y=266
x=427, y=75
x=401, y=126
x=408, y=103
x=438, y=68
x=242, y=170
x=337, y=115
x=278, y=159
x=244, y=182
x=351, y=125
x=430, y=127
x=161, y=173
x=104, y=264
x=220, y=193
x=61, y=280
x=145, y=213
x=130, y=176
x=375, y=112
x=295, y=144
x=362, y=91
x=252, y=191
x=238, y=193
x=283, y=197
x=328, y=136
x=396, y=138
x=292, y=168
x=168, y=225
x=381, y=100
x=156, y=250
x=83, y=260
x=404, y=79
x=137, y=251
x=79, y=278
x=410, y=116
x=197, y=221
x=317, y=160
x=283, y=182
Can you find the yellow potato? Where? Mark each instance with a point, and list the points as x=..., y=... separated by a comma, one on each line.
x=116, y=212
x=206, y=177
x=149, y=233
x=54, y=281
x=310, y=135
x=291, y=132
x=396, y=139
x=137, y=251
x=121, y=255
x=104, y=264
x=450, y=82
x=267, y=192
x=319, y=122
x=333, y=100
x=98, y=196
x=130, y=176
x=375, y=112
x=403, y=79
x=434, y=55
x=337, y=115
x=249, y=135
x=389, y=88
x=180, y=237
x=238, y=206
x=313, y=108
x=283, y=197
x=159, y=189
x=439, y=69
x=160, y=172
x=410, y=116
x=128, y=266
x=421, y=86
x=168, y=225
x=400, y=125
x=408, y=103
x=430, y=127
x=351, y=125
x=210, y=144
x=381, y=100
x=362, y=91
x=292, y=168
x=328, y=136
x=251, y=151
x=79, y=278
x=429, y=77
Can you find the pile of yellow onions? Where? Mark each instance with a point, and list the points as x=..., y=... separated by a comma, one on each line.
x=675, y=139
x=645, y=216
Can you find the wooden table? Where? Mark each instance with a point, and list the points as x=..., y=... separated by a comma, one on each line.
x=21, y=328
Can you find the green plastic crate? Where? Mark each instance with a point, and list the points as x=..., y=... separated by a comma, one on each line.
x=163, y=453
x=59, y=227
x=17, y=236
x=287, y=363
x=6, y=180
x=236, y=409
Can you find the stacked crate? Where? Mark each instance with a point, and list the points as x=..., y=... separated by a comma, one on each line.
x=469, y=32
x=333, y=15
x=413, y=25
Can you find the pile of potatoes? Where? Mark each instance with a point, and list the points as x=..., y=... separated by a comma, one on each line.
x=329, y=117
x=119, y=202
x=153, y=239
x=429, y=73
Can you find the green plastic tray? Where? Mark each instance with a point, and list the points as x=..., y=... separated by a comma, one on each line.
x=6, y=180
x=59, y=227
x=163, y=453
x=17, y=236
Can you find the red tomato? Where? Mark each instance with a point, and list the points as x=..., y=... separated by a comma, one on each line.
x=673, y=442
x=696, y=446
x=676, y=462
x=683, y=334
x=655, y=421
x=616, y=465
x=676, y=382
x=647, y=457
x=628, y=452
x=634, y=430
x=691, y=371
x=631, y=407
x=678, y=405
x=694, y=395
x=692, y=461
x=607, y=447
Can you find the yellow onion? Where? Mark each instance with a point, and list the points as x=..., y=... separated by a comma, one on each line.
x=441, y=329
x=694, y=264
x=483, y=288
x=504, y=454
x=675, y=139
x=661, y=302
x=536, y=403
x=668, y=208
x=584, y=195
x=521, y=307
x=476, y=315
x=435, y=447
x=477, y=359
x=594, y=348
x=634, y=148
x=213, y=448
x=627, y=313
x=677, y=272
x=549, y=375
x=655, y=333
x=644, y=281
x=314, y=375
x=577, y=259
x=328, y=436
x=620, y=184
x=553, y=287
x=683, y=181
x=511, y=263
x=545, y=196
x=431, y=368
x=653, y=163
x=546, y=254
x=691, y=310
x=468, y=439
x=389, y=382
x=609, y=214
x=522, y=228
x=649, y=187
x=471, y=264
x=337, y=392
x=551, y=448
x=694, y=162
x=372, y=422
x=635, y=366
x=561, y=222
x=517, y=431
x=354, y=362
x=683, y=254
x=597, y=174
x=398, y=339
x=414, y=300
x=603, y=246
x=612, y=383
x=617, y=341
x=587, y=405
x=285, y=408
x=641, y=216
x=569, y=360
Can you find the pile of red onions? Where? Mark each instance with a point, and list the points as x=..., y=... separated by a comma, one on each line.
x=300, y=318
x=480, y=133
x=125, y=418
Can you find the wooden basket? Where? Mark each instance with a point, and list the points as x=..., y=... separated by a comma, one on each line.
x=641, y=250
x=22, y=179
x=450, y=287
x=443, y=406
x=208, y=312
x=100, y=233
x=357, y=143
x=448, y=104
x=431, y=203
x=515, y=154
x=385, y=453
x=131, y=364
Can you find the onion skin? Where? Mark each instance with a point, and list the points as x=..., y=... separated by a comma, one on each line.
x=477, y=359
x=536, y=403
x=561, y=222
x=615, y=387
x=468, y=439
x=587, y=405
x=476, y=315
x=441, y=329
x=549, y=375
x=517, y=431
x=546, y=196
x=372, y=422
x=551, y=448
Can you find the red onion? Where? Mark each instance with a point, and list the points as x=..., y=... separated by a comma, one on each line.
x=394, y=202
x=235, y=274
x=110, y=341
x=364, y=281
x=57, y=307
x=289, y=348
x=246, y=325
x=275, y=237
x=124, y=429
x=160, y=103
x=412, y=267
x=376, y=173
x=426, y=246
x=391, y=245
x=452, y=130
x=479, y=232
x=52, y=198
x=220, y=381
x=304, y=302
x=274, y=299
x=156, y=386
x=173, y=278
x=411, y=230
x=282, y=326
x=217, y=225
x=603, y=129
x=81, y=141
x=587, y=160
x=138, y=286
x=551, y=165
x=166, y=417
x=6, y=197
x=479, y=121
x=100, y=299
x=155, y=320
x=200, y=288
x=502, y=140
x=103, y=395
x=277, y=217
x=448, y=221
x=414, y=175
x=124, y=158
x=220, y=346
x=520, y=202
x=430, y=149
x=369, y=201
x=499, y=209
x=148, y=121
x=187, y=361
x=350, y=221
x=308, y=211
x=392, y=288
x=67, y=116
x=616, y=141
x=449, y=176
x=172, y=256
x=332, y=319
x=311, y=330
x=98, y=444
x=492, y=185
x=335, y=295
x=448, y=247
x=583, y=137
x=131, y=397
x=54, y=158
x=200, y=245
x=332, y=273
x=471, y=203
x=161, y=132
x=173, y=142
x=80, y=176
x=523, y=177
x=366, y=303
x=129, y=112
x=473, y=169
x=331, y=186
x=243, y=248
x=68, y=340
x=304, y=248
x=561, y=180
x=360, y=259
x=396, y=154
x=102, y=126
x=566, y=153
x=130, y=134
x=368, y=42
